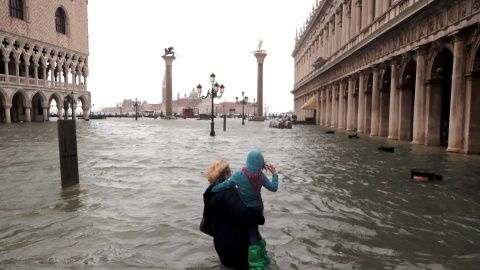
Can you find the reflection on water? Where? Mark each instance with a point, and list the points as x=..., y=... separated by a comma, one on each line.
x=342, y=204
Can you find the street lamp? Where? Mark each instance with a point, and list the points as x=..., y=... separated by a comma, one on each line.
x=136, y=104
x=213, y=93
x=244, y=101
x=253, y=109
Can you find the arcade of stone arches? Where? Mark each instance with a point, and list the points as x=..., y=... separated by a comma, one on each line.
x=32, y=75
x=30, y=105
x=430, y=96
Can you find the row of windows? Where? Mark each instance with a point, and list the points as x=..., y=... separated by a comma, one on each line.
x=16, y=11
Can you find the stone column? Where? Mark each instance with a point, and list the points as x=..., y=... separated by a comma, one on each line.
x=322, y=107
x=5, y=64
x=361, y=102
x=45, y=113
x=358, y=16
x=319, y=107
x=457, y=102
x=44, y=69
x=66, y=71
x=74, y=108
x=7, y=113
x=168, y=66
x=74, y=78
x=27, y=77
x=350, y=106
x=17, y=68
x=85, y=113
x=335, y=105
x=375, y=103
x=371, y=12
x=344, y=24
x=341, y=105
x=386, y=6
x=419, y=101
x=328, y=103
x=35, y=67
x=393, y=114
x=28, y=117
x=378, y=8
x=365, y=8
x=60, y=111
x=353, y=19
x=52, y=75
x=260, y=55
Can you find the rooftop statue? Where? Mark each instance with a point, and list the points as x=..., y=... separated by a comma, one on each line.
x=169, y=50
x=260, y=45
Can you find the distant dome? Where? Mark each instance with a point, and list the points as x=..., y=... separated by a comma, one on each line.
x=193, y=94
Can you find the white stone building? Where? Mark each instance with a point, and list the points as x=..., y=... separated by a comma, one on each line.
x=403, y=69
x=43, y=57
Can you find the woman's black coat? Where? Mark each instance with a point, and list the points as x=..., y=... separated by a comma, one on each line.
x=230, y=218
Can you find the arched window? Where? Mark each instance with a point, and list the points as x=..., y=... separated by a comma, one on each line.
x=60, y=21
x=16, y=9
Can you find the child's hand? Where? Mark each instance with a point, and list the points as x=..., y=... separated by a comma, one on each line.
x=272, y=169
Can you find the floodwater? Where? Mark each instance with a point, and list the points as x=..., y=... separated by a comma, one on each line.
x=341, y=203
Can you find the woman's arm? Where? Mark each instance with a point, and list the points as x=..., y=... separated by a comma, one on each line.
x=229, y=183
x=271, y=185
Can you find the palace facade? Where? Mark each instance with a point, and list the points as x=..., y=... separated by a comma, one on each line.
x=403, y=69
x=43, y=58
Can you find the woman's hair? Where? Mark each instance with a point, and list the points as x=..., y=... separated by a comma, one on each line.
x=216, y=171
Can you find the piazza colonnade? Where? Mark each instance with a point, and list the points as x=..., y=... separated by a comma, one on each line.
x=33, y=74
x=406, y=70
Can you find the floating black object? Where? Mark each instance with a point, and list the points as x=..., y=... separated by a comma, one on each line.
x=330, y=132
x=420, y=175
x=387, y=148
x=354, y=136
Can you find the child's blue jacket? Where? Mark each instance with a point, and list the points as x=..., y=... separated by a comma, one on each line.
x=245, y=190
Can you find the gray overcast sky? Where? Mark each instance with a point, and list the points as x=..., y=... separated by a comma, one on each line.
x=127, y=41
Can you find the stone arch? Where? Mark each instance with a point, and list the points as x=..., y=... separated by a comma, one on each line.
x=472, y=144
x=38, y=103
x=439, y=87
x=384, y=97
x=406, y=99
x=20, y=100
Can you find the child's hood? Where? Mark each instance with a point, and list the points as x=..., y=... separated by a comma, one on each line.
x=255, y=161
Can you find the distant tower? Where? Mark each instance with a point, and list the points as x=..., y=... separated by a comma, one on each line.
x=260, y=55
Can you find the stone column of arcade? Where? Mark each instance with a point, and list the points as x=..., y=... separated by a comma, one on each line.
x=168, y=67
x=260, y=55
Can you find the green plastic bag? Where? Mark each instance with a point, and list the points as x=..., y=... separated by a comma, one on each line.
x=263, y=246
x=257, y=256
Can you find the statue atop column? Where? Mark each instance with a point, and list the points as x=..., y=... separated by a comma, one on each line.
x=259, y=47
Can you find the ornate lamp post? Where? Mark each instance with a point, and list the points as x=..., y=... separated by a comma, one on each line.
x=136, y=104
x=213, y=93
x=244, y=101
x=253, y=109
